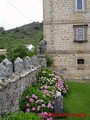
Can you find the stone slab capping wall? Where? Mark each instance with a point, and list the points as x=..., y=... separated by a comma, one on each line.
x=12, y=84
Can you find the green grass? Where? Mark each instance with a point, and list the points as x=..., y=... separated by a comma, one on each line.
x=77, y=100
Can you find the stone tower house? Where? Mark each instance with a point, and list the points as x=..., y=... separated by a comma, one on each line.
x=67, y=32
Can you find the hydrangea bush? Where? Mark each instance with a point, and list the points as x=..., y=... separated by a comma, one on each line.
x=39, y=98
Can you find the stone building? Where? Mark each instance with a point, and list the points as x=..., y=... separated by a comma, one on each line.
x=66, y=25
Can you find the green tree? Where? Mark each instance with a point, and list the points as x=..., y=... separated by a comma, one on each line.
x=17, y=51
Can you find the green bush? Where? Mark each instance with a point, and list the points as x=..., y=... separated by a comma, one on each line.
x=2, y=57
x=22, y=116
x=31, y=53
x=29, y=92
x=17, y=51
x=49, y=60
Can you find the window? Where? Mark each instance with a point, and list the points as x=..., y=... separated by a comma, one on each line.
x=80, y=61
x=80, y=33
x=79, y=4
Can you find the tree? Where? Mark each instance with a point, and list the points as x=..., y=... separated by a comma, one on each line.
x=17, y=51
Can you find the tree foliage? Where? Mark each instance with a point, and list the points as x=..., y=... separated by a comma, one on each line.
x=17, y=51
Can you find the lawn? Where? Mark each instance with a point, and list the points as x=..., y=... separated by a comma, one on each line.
x=77, y=100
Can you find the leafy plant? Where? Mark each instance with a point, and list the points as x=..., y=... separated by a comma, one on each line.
x=2, y=57
x=39, y=98
x=17, y=51
x=49, y=60
x=22, y=116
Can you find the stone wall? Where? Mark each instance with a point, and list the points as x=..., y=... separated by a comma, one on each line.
x=67, y=64
x=3, y=51
x=12, y=84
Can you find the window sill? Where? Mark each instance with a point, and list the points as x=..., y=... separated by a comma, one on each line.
x=80, y=11
x=80, y=41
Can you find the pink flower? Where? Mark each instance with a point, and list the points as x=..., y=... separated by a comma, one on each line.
x=34, y=96
x=33, y=109
x=49, y=118
x=27, y=105
x=53, y=103
x=38, y=108
x=45, y=91
x=43, y=114
x=43, y=105
x=41, y=88
x=56, y=76
x=48, y=95
x=46, y=87
x=27, y=110
x=39, y=101
x=31, y=100
x=49, y=105
x=26, y=97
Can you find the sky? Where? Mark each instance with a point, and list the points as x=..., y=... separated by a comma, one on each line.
x=15, y=13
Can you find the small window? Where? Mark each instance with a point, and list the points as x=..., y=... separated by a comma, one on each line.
x=80, y=61
x=79, y=4
x=80, y=33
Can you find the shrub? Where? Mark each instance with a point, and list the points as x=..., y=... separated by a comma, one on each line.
x=39, y=98
x=49, y=60
x=22, y=116
x=17, y=51
x=31, y=53
x=2, y=57
x=27, y=100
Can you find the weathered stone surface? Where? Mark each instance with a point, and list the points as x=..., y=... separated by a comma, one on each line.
x=60, y=16
x=34, y=61
x=18, y=65
x=8, y=67
x=28, y=63
x=44, y=62
x=9, y=96
x=12, y=88
x=2, y=71
x=58, y=104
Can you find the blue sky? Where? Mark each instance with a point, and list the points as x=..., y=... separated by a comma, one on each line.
x=14, y=13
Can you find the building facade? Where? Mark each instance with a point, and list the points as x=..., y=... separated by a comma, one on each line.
x=66, y=26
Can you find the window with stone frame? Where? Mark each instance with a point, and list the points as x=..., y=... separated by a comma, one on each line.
x=80, y=5
x=80, y=33
x=80, y=61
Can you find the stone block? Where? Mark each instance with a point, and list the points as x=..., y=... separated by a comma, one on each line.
x=34, y=61
x=27, y=63
x=58, y=104
x=2, y=71
x=8, y=67
x=18, y=65
x=44, y=62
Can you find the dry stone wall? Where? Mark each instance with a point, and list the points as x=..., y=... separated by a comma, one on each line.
x=12, y=84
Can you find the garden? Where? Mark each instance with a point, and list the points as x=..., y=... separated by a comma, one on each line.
x=38, y=100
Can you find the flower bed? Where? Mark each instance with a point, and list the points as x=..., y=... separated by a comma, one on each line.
x=39, y=98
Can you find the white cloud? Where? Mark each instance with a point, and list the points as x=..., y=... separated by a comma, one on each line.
x=11, y=17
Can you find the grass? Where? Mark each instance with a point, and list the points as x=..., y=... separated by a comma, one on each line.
x=77, y=100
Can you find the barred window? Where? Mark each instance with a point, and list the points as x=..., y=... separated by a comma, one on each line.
x=80, y=61
x=80, y=33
